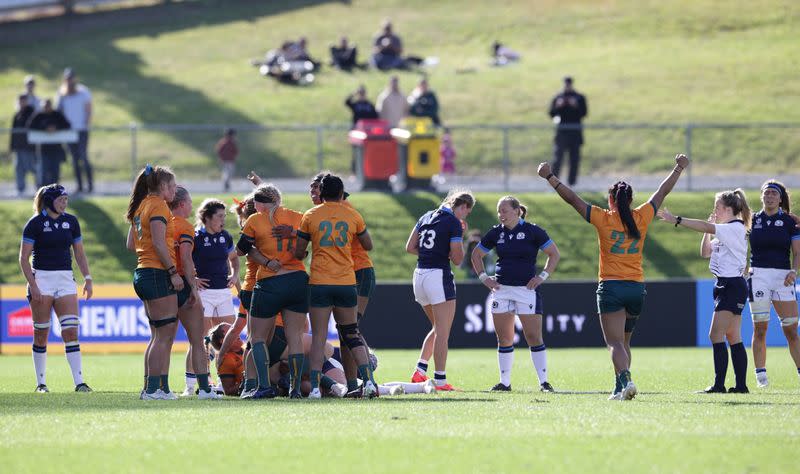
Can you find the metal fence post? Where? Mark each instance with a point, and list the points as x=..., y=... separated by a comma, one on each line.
x=688, y=152
x=506, y=159
x=319, y=148
x=134, y=168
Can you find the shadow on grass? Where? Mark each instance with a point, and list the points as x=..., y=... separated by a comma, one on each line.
x=416, y=203
x=104, y=228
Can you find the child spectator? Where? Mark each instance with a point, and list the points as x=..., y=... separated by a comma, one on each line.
x=447, y=153
x=227, y=151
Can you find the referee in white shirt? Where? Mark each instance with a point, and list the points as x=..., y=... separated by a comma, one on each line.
x=725, y=243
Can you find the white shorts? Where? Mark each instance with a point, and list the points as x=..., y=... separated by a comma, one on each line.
x=766, y=286
x=513, y=299
x=55, y=283
x=433, y=286
x=217, y=303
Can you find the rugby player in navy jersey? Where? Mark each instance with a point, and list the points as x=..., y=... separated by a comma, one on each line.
x=773, y=238
x=515, y=285
x=49, y=236
x=437, y=241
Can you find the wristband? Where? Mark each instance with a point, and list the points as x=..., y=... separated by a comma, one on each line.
x=483, y=277
x=678, y=220
x=172, y=271
x=549, y=176
x=87, y=278
x=678, y=168
x=544, y=275
x=557, y=185
x=793, y=271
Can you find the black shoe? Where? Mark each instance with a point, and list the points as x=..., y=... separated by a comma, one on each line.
x=357, y=393
x=42, y=388
x=546, y=387
x=82, y=387
x=714, y=389
x=501, y=388
x=295, y=395
x=739, y=390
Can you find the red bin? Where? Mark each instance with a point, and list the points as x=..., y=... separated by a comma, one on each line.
x=374, y=152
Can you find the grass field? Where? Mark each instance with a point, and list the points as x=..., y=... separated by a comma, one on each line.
x=667, y=428
x=637, y=61
x=669, y=252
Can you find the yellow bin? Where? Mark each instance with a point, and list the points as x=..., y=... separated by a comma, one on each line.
x=418, y=143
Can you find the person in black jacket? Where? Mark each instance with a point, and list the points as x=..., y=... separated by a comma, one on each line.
x=24, y=152
x=361, y=106
x=567, y=109
x=51, y=155
x=423, y=103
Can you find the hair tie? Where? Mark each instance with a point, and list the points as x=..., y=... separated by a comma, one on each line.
x=148, y=168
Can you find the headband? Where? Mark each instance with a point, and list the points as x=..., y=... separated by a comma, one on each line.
x=262, y=199
x=773, y=186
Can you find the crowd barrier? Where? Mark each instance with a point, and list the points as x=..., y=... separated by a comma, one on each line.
x=676, y=313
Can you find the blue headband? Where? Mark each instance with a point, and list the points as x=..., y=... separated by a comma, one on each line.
x=773, y=186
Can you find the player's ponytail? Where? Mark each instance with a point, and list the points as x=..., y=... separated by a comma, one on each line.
x=781, y=188
x=457, y=197
x=737, y=201
x=268, y=193
x=622, y=195
x=38, y=200
x=149, y=180
x=515, y=204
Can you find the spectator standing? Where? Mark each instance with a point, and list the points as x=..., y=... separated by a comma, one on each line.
x=567, y=109
x=361, y=107
x=227, y=151
x=24, y=152
x=387, y=49
x=48, y=168
x=75, y=102
x=344, y=56
x=422, y=102
x=447, y=154
x=30, y=85
x=391, y=104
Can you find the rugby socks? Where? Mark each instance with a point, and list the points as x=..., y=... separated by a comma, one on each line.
x=261, y=360
x=315, y=376
x=624, y=378
x=40, y=363
x=539, y=358
x=505, y=360
x=250, y=384
x=365, y=373
x=352, y=385
x=326, y=382
x=295, y=367
x=618, y=385
x=439, y=378
x=165, y=383
x=202, y=379
x=720, y=363
x=408, y=388
x=422, y=366
x=191, y=381
x=73, y=352
x=153, y=383
x=739, y=359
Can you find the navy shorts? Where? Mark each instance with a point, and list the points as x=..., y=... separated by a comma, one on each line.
x=365, y=281
x=730, y=294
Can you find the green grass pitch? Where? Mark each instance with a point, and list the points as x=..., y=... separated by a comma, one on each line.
x=667, y=428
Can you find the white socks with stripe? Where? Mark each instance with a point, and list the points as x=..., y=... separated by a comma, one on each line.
x=505, y=360
x=40, y=363
x=73, y=350
x=539, y=358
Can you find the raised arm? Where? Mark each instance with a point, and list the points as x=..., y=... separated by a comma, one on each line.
x=694, y=224
x=567, y=194
x=681, y=162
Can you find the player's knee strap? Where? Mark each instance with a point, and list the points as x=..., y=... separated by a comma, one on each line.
x=41, y=325
x=789, y=321
x=350, y=334
x=760, y=317
x=69, y=321
x=163, y=322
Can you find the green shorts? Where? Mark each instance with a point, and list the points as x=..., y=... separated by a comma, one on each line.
x=365, y=281
x=340, y=296
x=614, y=295
x=185, y=293
x=152, y=283
x=272, y=295
x=245, y=298
x=276, y=346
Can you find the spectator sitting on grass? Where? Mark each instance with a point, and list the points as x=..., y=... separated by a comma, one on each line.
x=344, y=56
x=422, y=103
x=503, y=55
x=387, y=49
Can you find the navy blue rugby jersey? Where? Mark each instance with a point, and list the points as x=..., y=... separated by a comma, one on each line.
x=52, y=240
x=771, y=240
x=437, y=229
x=516, y=251
x=210, y=256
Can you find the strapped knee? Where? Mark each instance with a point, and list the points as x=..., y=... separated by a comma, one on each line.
x=159, y=323
x=69, y=321
x=788, y=321
x=350, y=334
x=42, y=326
